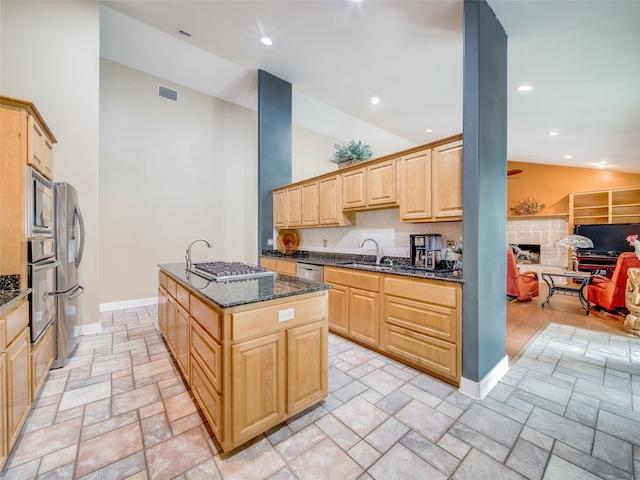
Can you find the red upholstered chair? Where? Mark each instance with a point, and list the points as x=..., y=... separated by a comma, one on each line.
x=523, y=286
x=609, y=294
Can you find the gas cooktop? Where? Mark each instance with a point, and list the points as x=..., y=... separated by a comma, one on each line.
x=230, y=270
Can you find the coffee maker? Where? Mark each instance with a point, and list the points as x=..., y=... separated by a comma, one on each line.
x=426, y=250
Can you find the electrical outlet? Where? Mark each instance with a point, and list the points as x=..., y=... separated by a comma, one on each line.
x=270, y=242
x=285, y=315
x=324, y=242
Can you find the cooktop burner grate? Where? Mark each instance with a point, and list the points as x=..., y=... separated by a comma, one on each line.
x=230, y=270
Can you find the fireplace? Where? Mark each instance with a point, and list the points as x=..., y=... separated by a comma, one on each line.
x=527, y=253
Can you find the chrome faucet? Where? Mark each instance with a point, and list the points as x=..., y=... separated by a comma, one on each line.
x=187, y=255
x=378, y=250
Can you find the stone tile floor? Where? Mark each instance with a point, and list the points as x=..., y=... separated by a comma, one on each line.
x=569, y=409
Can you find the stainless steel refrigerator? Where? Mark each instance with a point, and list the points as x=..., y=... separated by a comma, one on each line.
x=69, y=240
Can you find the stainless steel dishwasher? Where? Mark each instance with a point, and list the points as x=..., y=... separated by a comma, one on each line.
x=309, y=272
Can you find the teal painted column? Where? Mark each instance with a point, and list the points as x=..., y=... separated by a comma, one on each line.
x=274, y=148
x=484, y=199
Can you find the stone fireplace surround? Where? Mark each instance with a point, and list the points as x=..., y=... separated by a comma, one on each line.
x=543, y=232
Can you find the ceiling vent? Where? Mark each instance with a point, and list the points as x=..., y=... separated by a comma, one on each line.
x=168, y=93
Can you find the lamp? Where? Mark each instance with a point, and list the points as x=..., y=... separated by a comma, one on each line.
x=572, y=242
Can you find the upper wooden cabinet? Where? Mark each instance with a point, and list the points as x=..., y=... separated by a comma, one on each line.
x=370, y=187
x=426, y=183
x=431, y=184
x=40, y=155
x=619, y=205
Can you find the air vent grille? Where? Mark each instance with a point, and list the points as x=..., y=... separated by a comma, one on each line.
x=168, y=93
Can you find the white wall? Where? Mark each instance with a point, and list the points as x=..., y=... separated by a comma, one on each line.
x=170, y=172
x=49, y=55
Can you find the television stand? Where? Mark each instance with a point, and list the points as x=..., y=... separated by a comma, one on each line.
x=598, y=263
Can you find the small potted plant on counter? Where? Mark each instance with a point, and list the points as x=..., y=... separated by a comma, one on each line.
x=352, y=153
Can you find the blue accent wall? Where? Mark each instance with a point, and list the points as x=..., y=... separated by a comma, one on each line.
x=484, y=191
x=274, y=148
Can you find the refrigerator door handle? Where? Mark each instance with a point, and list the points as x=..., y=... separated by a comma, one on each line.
x=44, y=266
x=78, y=214
x=76, y=292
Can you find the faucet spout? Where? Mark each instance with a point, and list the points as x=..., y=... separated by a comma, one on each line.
x=187, y=255
x=378, y=249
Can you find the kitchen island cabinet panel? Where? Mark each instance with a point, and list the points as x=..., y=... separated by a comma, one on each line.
x=18, y=388
x=307, y=366
x=42, y=354
x=252, y=363
x=258, y=390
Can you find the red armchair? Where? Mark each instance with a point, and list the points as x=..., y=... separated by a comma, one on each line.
x=523, y=286
x=609, y=294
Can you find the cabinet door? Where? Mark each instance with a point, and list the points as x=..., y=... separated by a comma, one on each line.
x=4, y=446
x=172, y=313
x=40, y=153
x=294, y=206
x=279, y=209
x=41, y=360
x=447, y=181
x=162, y=310
x=364, y=316
x=310, y=204
x=381, y=184
x=258, y=390
x=330, y=202
x=415, y=202
x=307, y=368
x=354, y=189
x=339, y=309
x=18, y=398
x=182, y=341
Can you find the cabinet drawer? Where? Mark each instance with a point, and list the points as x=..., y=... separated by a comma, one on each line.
x=208, y=318
x=287, y=267
x=182, y=295
x=426, y=318
x=352, y=278
x=269, y=263
x=265, y=320
x=210, y=401
x=16, y=320
x=423, y=291
x=41, y=359
x=162, y=279
x=208, y=353
x=172, y=287
x=426, y=352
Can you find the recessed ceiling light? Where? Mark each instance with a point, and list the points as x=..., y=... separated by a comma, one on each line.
x=429, y=130
x=524, y=88
x=266, y=41
x=553, y=134
x=185, y=33
x=375, y=100
x=568, y=156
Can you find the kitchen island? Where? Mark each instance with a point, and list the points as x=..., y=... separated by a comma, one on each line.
x=254, y=351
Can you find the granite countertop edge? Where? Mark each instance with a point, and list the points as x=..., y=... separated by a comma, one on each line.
x=242, y=292
x=339, y=259
x=10, y=298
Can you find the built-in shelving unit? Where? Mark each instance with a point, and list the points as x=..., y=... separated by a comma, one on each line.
x=619, y=205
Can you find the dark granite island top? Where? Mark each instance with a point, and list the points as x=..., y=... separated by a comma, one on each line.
x=232, y=293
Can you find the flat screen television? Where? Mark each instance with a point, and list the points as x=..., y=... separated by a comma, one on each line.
x=608, y=237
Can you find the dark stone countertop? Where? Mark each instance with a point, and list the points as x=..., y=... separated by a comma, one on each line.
x=400, y=265
x=232, y=293
x=9, y=298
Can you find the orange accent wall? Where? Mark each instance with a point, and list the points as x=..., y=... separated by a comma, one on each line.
x=551, y=184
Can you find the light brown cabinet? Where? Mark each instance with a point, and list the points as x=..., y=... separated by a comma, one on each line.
x=309, y=205
x=293, y=210
x=354, y=304
x=416, y=321
x=330, y=212
x=40, y=154
x=15, y=388
x=279, y=209
x=370, y=187
x=431, y=184
x=42, y=354
x=619, y=205
x=279, y=265
x=249, y=369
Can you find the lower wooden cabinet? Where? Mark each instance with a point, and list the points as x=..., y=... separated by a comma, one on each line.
x=4, y=438
x=416, y=321
x=278, y=265
x=354, y=304
x=42, y=354
x=248, y=369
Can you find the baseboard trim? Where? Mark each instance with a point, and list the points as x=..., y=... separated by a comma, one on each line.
x=479, y=390
x=79, y=330
x=139, y=302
